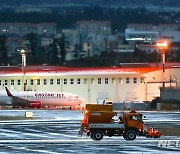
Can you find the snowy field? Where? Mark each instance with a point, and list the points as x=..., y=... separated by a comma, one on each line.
x=56, y=131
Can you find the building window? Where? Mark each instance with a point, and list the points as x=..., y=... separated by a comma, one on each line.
x=142, y=80
x=12, y=82
x=65, y=81
x=18, y=82
x=51, y=81
x=31, y=82
x=106, y=81
x=72, y=81
x=78, y=81
x=58, y=81
x=85, y=81
x=92, y=80
x=135, y=80
x=120, y=80
x=99, y=80
x=38, y=82
x=127, y=80
x=113, y=81
x=6, y=82
x=45, y=81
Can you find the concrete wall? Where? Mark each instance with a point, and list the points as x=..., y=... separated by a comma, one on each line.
x=131, y=106
x=170, y=99
x=170, y=94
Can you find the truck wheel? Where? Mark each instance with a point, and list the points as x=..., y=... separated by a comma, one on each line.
x=97, y=135
x=131, y=135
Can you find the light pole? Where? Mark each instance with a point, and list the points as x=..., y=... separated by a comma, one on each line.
x=23, y=58
x=162, y=48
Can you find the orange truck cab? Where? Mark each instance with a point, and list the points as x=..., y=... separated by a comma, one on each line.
x=98, y=122
x=134, y=120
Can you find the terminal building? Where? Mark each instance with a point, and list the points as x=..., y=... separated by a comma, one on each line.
x=130, y=82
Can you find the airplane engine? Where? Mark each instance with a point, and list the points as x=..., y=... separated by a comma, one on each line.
x=35, y=104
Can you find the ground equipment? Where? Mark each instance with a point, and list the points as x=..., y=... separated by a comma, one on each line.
x=98, y=122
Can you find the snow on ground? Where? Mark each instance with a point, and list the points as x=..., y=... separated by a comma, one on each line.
x=56, y=131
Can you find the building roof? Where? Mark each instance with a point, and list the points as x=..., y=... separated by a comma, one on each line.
x=45, y=70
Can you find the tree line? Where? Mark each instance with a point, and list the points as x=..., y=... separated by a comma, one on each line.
x=55, y=53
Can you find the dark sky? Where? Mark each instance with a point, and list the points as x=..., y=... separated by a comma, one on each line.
x=90, y=2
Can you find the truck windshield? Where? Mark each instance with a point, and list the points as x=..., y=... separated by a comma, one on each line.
x=137, y=118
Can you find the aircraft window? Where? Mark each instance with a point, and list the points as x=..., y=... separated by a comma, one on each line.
x=58, y=81
x=18, y=82
x=51, y=81
x=12, y=82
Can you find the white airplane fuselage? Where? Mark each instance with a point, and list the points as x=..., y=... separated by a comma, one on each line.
x=46, y=98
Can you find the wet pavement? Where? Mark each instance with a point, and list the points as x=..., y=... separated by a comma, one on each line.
x=56, y=131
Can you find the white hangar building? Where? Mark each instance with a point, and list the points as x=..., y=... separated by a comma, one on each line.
x=126, y=82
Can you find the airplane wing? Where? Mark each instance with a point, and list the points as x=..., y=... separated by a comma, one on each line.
x=17, y=101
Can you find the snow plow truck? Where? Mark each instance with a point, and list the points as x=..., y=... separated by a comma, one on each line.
x=98, y=122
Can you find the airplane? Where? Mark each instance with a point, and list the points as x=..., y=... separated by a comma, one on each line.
x=34, y=99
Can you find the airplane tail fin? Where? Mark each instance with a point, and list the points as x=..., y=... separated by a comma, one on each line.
x=8, y=92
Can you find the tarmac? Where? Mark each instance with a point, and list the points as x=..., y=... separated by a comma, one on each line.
x=56, y=131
